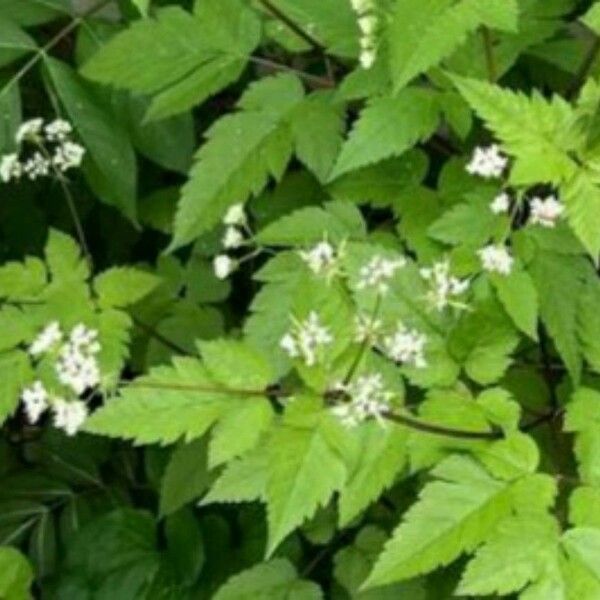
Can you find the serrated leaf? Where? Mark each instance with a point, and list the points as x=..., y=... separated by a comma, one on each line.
x=465, y=223
x=388, y=127
x=109, y=165
x=15, y=373
x=421, y=34
x=518, y=296
x=453, y=515
x=242, y=151
x=383, y=456
x=186, y=476
x=64, y=258
x=123, y=286
x=195, y=56
x=273, y=580
x=304, y=470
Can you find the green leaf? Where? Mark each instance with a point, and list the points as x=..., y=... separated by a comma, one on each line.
x=582, y=418
x=388, y=127
x=109, y=166
x=453, y=515
x=186, y=476
x=382, y=457
x=304, y=470
x=123, y=286
x=470, y=223
x=336, y=222
x=517, y=554
x=592, y=18
x=559, y=283
x=168, y=404
x=15, y=373
x=421, y=34
x=35, y=12
x=14, y=42
x=273, y=580
x=236, y=365
x=317, y=128
x=242, y=150
x=16, y=575
x=518, y=295
x=64, y=258
x=142, y=6
x=583, y=545
x=194, y=57
x=10, y=108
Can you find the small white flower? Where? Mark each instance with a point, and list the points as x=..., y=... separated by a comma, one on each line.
x=35, y=401
x=367, y=327
x=496, y=259
x=58, y=130
x=500, y=204
x=37, y=166
x=29, y=130
x=378, y=273
x=443, y=287
x=545, y=212
x=362, y=6
x=368, y=24
x=49, y=337
x=69, y=416
x=68, y=155
x=224, y=266
x=487, y=162
x=367, y=58
x=10, y=167
x=233, y=238
x=305, y=339
x=320, y=259
x=368, y=398
x=236, y=215
x=77, y=366
x=406, y=346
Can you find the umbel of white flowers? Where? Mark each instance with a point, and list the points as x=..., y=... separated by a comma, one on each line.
x=367, y=398
x=306, y=339
x=545, y=212
x=496, y=259
x=77, y=371
x=444, y=288
x=487, y=162
x=41, y=150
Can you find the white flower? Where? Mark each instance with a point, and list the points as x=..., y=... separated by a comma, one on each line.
x=35, y=401
x=496, y=259
x=305, y=339
x=50, y=336
x=406, y=346
x=233, y=238
x=500, y=204
x=77, y=366
x=320, y=259
x=367, y=58
x=37, y=166
x=224, y=266
x=362, y=6
x=235, y=215
x=487, y=162
x=29, y=130
x=367, y=24
x=443, y=287
x=69, y=416
x=545, y=212
x=367, y=328
x=368, y=398
x=378, y=273
x=68, y=155
x=58, y=130
x=10, y=167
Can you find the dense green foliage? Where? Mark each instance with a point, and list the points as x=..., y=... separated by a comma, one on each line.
x=299, y=299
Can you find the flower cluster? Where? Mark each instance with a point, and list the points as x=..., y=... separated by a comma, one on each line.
x=545, y=212
x=378, y=273
x=323, y=258
x=443, y=287
x=367, y=398
x=367, y=328
x=487, y=162
x=306, y=338
x=496, y=259
x=368, y=24
x=500, y=204
x=236, y=223
x=406, y=346
x=41, y=149
x=77, y=371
